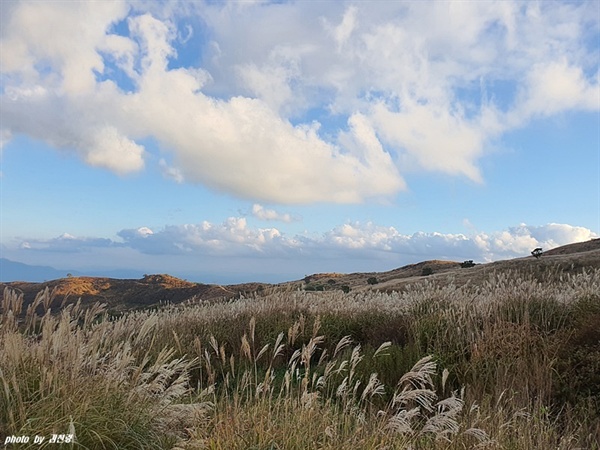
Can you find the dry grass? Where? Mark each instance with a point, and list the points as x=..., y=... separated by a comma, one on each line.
x=512, y=363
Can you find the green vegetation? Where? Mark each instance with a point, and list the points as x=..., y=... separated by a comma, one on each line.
x=467, y=264
x=513, y=364
x=314, y=287
x=426, y=271
x=372, y=280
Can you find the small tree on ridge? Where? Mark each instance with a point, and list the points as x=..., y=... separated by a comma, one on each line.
x=537, y=252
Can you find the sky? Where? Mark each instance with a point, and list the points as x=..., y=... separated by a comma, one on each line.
x=233, y=141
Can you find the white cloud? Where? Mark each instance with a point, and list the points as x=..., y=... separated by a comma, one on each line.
x=369, y=239
x=272, y=81
x=235, y=251
x=61, y=38
x=262, y=213
x=171, y=172
x=50, y=57
x=358, y=241
x=416, y=80
x=67, y=243
x=114, y=151
x=144, y=232
x=239, y=145
x=231, y=238
x=559, y=86
x=453, y=148
x=548, y=236
x=428, y=76
x=342, y=32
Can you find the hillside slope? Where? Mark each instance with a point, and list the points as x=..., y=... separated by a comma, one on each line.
x=122, y=295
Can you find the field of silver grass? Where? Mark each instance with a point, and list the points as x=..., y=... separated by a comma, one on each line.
x=513, y=363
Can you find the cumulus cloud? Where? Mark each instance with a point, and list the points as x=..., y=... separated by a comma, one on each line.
x=429, y=77
x=510, y=243
x=240, y=145
x=67, y=243
x=171, y=172
x=234, y=251
x=559, y=86
x=109, y=149
x=414, y=83
x=453, y=149
x=235, y=238
x=342, y=32
x=524, y=238
x=262, y=213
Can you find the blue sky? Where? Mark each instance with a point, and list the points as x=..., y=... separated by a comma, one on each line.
x=253, y=140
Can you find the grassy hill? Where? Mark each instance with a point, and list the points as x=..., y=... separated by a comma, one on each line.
x=504, y=355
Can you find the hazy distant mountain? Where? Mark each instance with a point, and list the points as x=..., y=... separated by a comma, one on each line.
x=16, y=271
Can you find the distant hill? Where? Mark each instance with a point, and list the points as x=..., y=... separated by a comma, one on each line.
x=125, y=294
x=153, y=290
x=16, y=271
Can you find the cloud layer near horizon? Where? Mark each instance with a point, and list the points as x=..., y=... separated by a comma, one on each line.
x=406, y=85
x=234, y=237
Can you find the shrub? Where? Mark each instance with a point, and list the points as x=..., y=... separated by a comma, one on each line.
x=314, y=287
x=467, y=264
x=372, y=280
x=426, y=271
